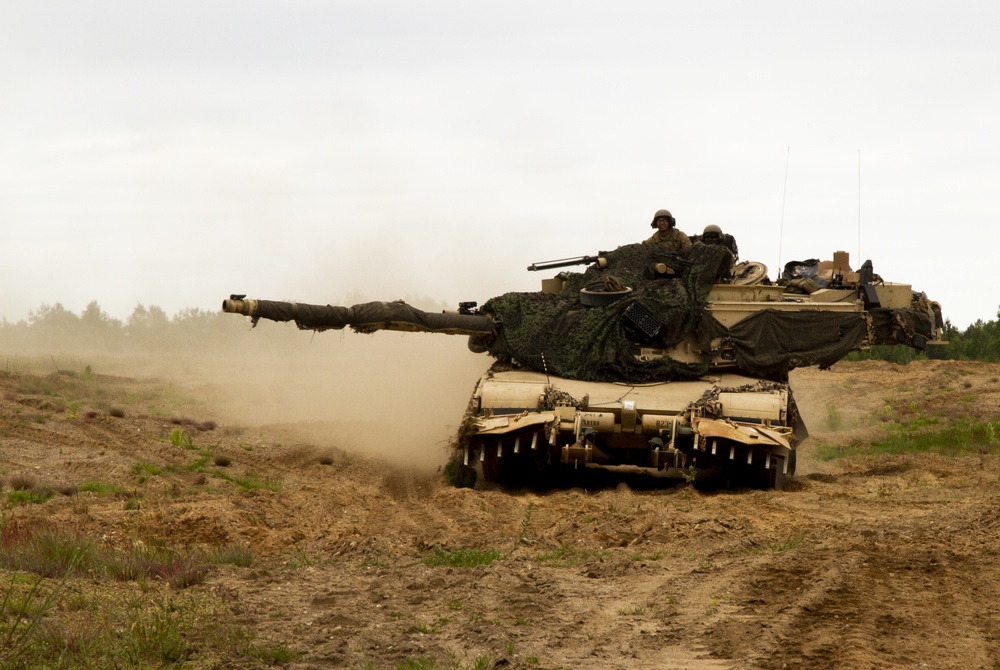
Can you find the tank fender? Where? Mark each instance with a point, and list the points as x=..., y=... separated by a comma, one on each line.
x=749, y=435
x=776, y=436
x=499, y=425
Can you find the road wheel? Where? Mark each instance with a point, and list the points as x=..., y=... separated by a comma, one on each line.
x=753, y=475
x=527, y=467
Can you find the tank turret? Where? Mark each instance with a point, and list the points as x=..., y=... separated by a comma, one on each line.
x=673, y=361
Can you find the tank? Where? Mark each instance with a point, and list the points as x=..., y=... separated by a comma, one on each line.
x=675, y=363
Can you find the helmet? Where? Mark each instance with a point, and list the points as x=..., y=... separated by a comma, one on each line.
x=712, y=231
x=663, y=214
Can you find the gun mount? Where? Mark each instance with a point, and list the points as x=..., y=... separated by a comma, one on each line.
x=676, y=362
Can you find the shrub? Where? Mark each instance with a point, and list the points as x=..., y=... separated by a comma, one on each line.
x=239, y=555
x=22, y=482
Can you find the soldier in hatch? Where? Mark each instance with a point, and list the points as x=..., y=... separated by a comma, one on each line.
x=714, y=235
x=666, y=233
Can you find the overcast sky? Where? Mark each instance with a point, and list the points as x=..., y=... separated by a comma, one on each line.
x=172, y=153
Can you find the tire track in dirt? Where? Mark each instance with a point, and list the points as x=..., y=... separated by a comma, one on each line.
x=772, y=594
x=865, y=603
x=108, y=448
x=862, y=610
x=658, y=616
x=635, y=603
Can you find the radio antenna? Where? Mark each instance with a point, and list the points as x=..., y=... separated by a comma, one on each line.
x=781, y=230
x=859, y=207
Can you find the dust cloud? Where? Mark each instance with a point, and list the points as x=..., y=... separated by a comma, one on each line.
x=390, y=395
x=395, y=396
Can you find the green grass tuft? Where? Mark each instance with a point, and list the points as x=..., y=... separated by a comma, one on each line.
x=834, y=420
x=959, y=438
x=179, y=438
x=568, y=557
x=144, y=470
x=793, y=541
x=461, y=558
x=239, y=555
x=273, y=654
x=35, y=496
x=102, y=489
x=250, y=482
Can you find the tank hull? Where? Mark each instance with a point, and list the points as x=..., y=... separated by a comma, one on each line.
x=524, y=428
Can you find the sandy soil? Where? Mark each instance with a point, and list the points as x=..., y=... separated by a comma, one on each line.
x=863, y=562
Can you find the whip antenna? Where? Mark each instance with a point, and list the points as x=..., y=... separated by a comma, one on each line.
x=781, y=230
x=859, y=206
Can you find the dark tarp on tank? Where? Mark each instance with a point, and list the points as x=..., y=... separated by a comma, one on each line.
x=771, y=343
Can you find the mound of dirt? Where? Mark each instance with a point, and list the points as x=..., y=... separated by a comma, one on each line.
x=866, y=561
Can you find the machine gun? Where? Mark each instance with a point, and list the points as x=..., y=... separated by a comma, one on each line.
x=568, y=262
x=670, y=264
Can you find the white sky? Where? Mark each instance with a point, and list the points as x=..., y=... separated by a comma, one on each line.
x=172, y=153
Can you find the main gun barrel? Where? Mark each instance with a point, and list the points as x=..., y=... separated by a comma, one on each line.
x=364, y=318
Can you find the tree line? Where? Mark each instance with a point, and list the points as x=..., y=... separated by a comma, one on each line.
x=147, y=329
x=150, y=329
x=979, y=342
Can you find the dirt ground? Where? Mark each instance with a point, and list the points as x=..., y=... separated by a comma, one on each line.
x=862, y=562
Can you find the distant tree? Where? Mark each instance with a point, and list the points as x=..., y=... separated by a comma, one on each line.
x=53, y=327
x=95, y=318
x=145, y=319
x=53, y=316
x=147, y=328
x=14, y=335
x=97, y=330
x=894, y=353
x=980, y=341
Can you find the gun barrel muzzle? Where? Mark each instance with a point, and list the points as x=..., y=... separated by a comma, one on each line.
x=239, y=306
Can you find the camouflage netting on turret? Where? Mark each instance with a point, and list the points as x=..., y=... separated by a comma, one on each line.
x=556, y=333
x=912, y=327
x=633, y=265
